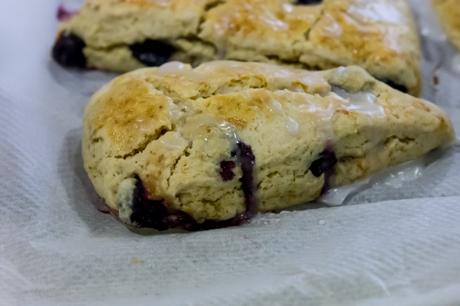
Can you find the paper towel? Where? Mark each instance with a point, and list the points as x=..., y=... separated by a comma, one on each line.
x=400, y=246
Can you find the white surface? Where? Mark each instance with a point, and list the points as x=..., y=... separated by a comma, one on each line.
x=402, y=248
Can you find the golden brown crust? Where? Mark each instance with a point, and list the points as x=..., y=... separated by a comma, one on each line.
x=172, y=126
x=378, y=35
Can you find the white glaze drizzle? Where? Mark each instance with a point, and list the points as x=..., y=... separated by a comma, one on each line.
x=376, y=10
x=173, y=141
x=276, y=106
x=288, y=8
x=292, y=126
x=273, y=73
x=174, y=68
x=145, y=126
x=362, y=101
x=229, y=131
x=175, y=112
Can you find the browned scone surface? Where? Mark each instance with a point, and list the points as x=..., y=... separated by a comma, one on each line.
x=122, y=35
x=207, y=147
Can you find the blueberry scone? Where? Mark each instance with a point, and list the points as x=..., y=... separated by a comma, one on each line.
x=449, y=17
x=177, y=147
x=122, y=35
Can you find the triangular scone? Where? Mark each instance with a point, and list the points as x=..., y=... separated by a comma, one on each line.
x=122, y=35
x=208, y=147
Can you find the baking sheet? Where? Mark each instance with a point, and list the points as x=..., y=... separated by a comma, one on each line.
x=400, y=243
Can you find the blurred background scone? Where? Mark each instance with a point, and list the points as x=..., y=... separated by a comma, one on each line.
x=209, y=147
x=448, y=12
x=122, y=35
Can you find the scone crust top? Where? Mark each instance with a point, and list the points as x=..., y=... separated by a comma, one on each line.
x=172, y=127
x=378, y=35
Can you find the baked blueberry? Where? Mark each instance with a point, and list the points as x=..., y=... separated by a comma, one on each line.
x=325, y=163
x=397, y=86
x=68, y=51
x=247, y=161
x=153, y=214
x=308, y=2
x=226, y=170
x=152, y=52
x=147, y=213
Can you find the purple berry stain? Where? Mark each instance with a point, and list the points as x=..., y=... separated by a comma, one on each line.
x=102, y=207
x=63, y=14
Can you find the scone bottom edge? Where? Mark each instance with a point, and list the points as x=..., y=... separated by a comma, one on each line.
x=154, y=214
x=68, y=51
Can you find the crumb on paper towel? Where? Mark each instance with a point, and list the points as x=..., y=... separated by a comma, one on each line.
x=137, y=261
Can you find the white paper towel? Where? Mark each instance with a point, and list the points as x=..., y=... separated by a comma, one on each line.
x=401, y=248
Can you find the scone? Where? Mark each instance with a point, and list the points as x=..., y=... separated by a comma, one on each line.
x=122, y=35
x=449, y=16
x=209, y=147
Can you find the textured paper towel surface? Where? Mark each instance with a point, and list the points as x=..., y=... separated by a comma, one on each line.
x=399, y=246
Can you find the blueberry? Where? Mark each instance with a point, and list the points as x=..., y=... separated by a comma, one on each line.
x=152, y=52
x=226, y=170
x=308, y=2
x=148, y=213
x=68, y=51
x=396, y=86
x=154, y=213
x=325, y=163
x=247, y=160
x=245, y=157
